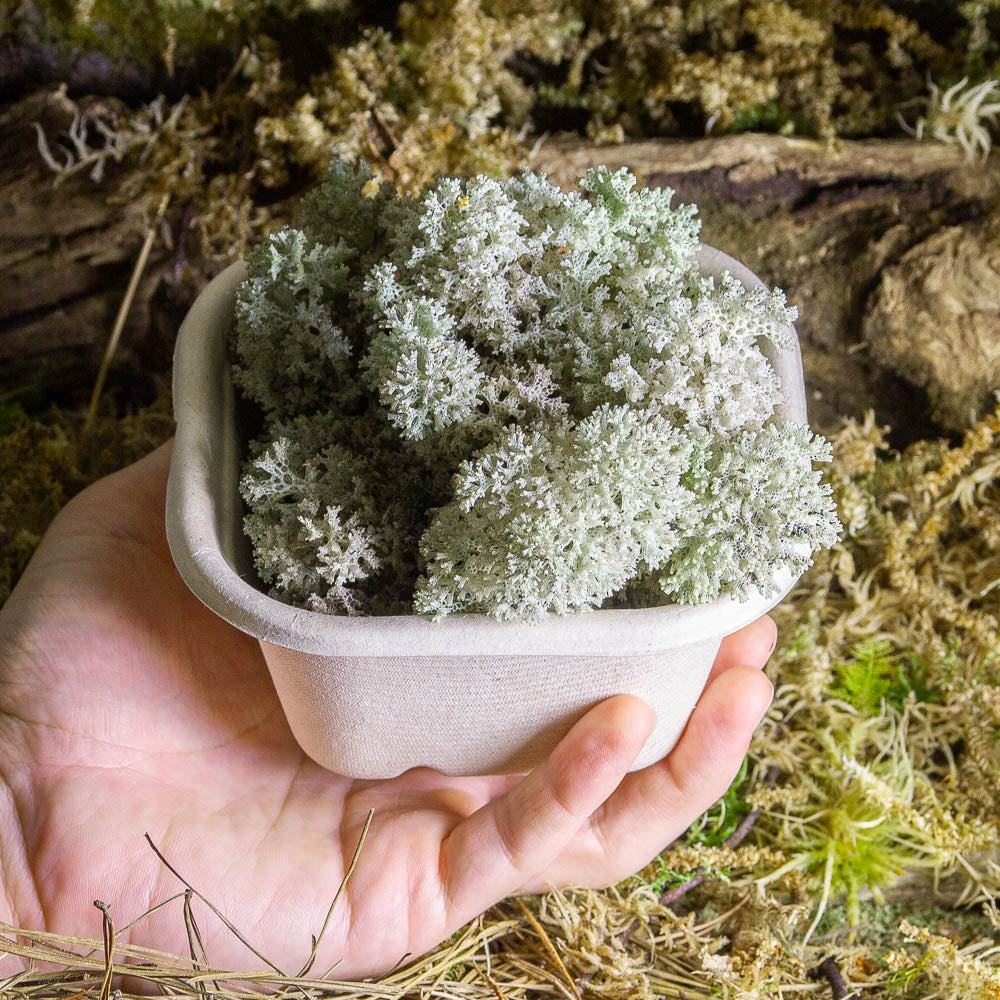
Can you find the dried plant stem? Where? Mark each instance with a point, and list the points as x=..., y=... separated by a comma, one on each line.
x=824, y=899
x=176, y=974
x=550, y=948
x=194, y=938
x=108, y=933
x=123, y=310
x=723, y=917
x=494, y=985
x=173, y=871
x=326, y=922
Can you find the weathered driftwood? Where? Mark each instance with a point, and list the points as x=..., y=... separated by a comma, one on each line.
x=824, y=225
x=66, y=253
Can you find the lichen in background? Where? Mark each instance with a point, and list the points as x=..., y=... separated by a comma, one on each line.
x=960, y=115
x=580, y=409
x=126, y=47
x=889, y=674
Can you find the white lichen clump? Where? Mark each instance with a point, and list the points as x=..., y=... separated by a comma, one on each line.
x=500, y=397
x=959, y=115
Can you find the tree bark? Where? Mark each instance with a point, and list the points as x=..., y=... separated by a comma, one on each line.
x=66, y=253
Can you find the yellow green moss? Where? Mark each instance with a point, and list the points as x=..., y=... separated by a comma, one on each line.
x=466, y=86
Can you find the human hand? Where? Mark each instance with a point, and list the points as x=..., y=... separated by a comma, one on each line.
x=127, y=707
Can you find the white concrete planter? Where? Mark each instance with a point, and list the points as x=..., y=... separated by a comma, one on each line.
x=372, y=697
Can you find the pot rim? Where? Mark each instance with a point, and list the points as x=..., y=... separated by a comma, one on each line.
x=205, y=533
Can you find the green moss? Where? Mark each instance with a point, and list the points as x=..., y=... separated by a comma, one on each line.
x=877, y=924
x=665, y=878
x=770, y=117
x=719, y=823
x=11, y=414
x=876, y=674
x=161, y=39
x=46, y=460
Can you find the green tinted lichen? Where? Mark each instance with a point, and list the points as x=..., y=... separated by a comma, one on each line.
x=557, y=518
x=576, y=404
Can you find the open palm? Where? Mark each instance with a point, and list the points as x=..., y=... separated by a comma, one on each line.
x=127, y=708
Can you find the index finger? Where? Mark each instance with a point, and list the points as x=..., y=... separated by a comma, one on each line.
x=751, y=646
x=497, y=849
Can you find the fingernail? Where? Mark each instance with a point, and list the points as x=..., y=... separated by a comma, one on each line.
x=769, y=703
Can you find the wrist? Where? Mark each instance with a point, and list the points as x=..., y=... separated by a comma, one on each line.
x=19, y=900
x=19, y=904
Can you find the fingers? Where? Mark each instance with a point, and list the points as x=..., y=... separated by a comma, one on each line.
x=703, y=764
x=751, y=646
x=501, y=848
x=498, y=848
x=652, y=807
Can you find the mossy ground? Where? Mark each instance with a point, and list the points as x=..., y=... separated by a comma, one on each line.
x=274, y=88
x=47, y=458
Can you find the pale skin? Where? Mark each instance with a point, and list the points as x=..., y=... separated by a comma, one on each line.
x=128, y=708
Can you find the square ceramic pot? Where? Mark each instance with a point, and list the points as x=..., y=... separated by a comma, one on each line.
x=370, y=697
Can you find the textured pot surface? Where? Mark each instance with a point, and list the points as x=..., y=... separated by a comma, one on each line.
x=377, y=716
x=372, y=697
